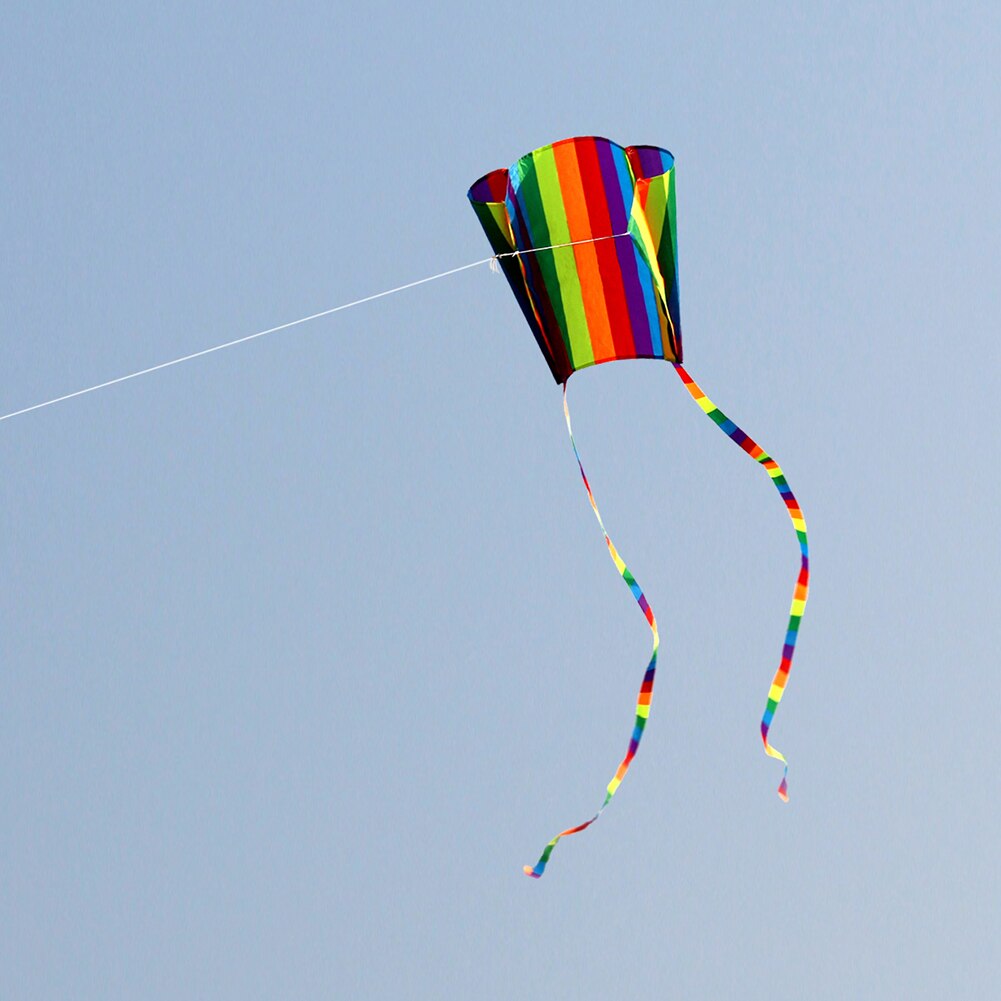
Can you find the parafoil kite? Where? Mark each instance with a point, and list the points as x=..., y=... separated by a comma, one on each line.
x=585, y=232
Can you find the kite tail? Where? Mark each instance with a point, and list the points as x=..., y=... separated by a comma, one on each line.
x=646, y=688
x=801, y=590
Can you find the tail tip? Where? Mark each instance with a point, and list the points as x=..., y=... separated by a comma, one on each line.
x=529, y=871
x=784, y=791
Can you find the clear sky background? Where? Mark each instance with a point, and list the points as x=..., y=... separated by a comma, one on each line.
x=307, y=647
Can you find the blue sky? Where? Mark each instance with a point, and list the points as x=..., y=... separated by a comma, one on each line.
x=310, y=645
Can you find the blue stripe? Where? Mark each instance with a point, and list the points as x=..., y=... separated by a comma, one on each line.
x=649, y=300
x=625, y=175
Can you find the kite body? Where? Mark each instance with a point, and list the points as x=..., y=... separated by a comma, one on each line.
x=584, y=230
x=585, y=233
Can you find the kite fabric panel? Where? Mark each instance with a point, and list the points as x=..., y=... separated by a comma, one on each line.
x=585, y=233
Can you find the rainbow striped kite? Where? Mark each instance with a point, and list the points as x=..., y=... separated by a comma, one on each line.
x=584, y=230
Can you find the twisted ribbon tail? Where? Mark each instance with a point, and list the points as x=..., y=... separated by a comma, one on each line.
x=802, y=588
x=646, y=688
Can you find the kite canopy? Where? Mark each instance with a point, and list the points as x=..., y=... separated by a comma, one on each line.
x=588, y=228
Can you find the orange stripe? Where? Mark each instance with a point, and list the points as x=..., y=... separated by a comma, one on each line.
x=591, y=286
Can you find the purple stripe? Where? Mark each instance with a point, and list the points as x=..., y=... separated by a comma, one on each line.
x=491, y=187
x=618, y=210
x=653, y=161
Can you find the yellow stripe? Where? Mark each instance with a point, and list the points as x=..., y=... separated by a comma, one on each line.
x=564, y=259
x=639, y=226
x=655, y=208
x=616, y=558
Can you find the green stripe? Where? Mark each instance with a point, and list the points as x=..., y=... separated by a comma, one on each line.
x=581, y=351
x=527, y=186
x=493, y=219
x=669, y=268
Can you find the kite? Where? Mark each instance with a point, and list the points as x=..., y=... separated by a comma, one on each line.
x=585, y=232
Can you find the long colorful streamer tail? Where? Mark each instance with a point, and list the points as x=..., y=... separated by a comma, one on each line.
x=646, y=688
x=802, y=588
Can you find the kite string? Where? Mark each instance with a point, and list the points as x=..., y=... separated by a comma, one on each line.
x=293, y=323
x=802, y=587
x=240, y=340
x=646, y=688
